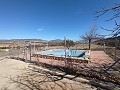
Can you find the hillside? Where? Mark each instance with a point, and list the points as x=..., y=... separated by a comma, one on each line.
x=20, y=40
x=109, y=41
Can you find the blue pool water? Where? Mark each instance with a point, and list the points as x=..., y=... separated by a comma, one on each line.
x=61, y=52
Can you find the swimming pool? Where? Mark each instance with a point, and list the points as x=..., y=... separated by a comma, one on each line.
x=61, y=52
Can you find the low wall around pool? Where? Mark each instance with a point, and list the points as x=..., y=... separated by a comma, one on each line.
x=84, y=59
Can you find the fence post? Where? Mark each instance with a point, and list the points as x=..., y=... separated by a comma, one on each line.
x=30, y=49
x=115, y=46
x=25, y=52
x=65, y=51
x=9, y=51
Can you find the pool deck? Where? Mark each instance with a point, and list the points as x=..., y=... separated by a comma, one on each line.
x=97, y=59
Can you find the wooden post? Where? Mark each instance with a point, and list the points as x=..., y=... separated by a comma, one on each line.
x=47, y=44
x=25, y=52
x=9, y=51
x=65, y=50
x=30, y=49
x=104, y=46
x=115, y=46
x=34, y=46
x=18, y=49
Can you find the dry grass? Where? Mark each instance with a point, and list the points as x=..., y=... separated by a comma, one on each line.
x=85, y=46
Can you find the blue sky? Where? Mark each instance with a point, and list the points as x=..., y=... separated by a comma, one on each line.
x=51, y=19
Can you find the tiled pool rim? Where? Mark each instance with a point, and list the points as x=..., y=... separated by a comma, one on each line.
x=84, y=59
x=61, y=52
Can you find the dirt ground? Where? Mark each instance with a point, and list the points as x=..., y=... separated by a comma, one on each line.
x=10, y=68
x=13, y=68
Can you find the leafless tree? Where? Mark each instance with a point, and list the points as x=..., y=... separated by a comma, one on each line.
x=116, y=10
x=91, y=35
x=116, y=30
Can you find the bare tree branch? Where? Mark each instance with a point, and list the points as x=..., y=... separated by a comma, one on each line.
x=115, y=31
x=90, y=35
x=113, y=9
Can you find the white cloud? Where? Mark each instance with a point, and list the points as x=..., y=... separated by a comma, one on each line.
x=40, y=29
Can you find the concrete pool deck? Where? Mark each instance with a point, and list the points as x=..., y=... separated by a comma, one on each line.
x=99, y=58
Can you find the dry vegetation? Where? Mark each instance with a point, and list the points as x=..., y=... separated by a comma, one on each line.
x=50, y=77
x=86, y=46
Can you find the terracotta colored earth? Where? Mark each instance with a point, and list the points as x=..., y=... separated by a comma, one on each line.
x=97, y=59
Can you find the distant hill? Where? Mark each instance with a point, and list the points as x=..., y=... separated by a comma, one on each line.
x=32, y=40
x=56, y=41
x=50, y=42
x=21, y=40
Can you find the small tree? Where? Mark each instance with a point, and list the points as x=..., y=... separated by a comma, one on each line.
x=69, y=43
x=90, y=36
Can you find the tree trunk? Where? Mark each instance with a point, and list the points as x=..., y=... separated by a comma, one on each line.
x=89, y=43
